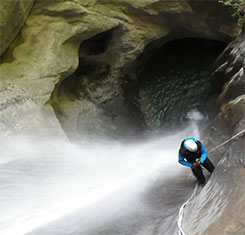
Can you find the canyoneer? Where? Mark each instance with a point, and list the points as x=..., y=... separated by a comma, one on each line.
x=193, y=154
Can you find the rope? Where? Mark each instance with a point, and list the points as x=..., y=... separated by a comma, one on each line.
x=227, y=141
x=181, y=210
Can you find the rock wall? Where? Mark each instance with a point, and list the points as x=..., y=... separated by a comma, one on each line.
x=46, y=53
x=230, y=72
x=13, y=16
x=219, y=208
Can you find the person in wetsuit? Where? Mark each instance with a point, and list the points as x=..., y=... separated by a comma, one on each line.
x=192, y=153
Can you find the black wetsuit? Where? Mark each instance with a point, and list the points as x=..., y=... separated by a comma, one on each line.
x=187, y=158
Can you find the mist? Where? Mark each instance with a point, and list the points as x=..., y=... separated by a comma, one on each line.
x=43, y=180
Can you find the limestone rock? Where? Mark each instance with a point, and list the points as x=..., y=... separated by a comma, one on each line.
x=234, y=87
x=219, y=208
x=13, y=16
x=231, y=71
x=233, y=113
x=226, y=210
x=46, y=52
x=229, y=65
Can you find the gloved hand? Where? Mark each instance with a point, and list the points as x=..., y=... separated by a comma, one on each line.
x=197, y=163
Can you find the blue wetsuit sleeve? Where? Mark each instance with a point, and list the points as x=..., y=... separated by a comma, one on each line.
x=183, y=161
x=204, y=154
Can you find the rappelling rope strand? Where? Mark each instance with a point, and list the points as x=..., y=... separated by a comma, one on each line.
x=181, y=210
x=227, y=141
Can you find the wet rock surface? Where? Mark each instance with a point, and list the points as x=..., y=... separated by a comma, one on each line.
x=219, y=208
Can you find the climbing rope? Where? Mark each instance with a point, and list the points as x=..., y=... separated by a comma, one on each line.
x=181, y=210
x=227, y=141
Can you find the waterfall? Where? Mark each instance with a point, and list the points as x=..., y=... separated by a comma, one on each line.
x=43, y=181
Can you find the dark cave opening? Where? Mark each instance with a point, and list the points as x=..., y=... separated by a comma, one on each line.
x=87, y=77
x=175, y=79
x=91, y=69
x=98, y=44
x=168, y=81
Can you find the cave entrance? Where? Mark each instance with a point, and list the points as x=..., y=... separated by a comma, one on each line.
x=175, y=80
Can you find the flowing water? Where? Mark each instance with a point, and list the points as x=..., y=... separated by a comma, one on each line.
x=55, y=187
x=50, y=186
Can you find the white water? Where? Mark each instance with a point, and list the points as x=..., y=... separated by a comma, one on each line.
x=42, y=181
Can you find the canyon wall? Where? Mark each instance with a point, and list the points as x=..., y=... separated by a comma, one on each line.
x=75, y=60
